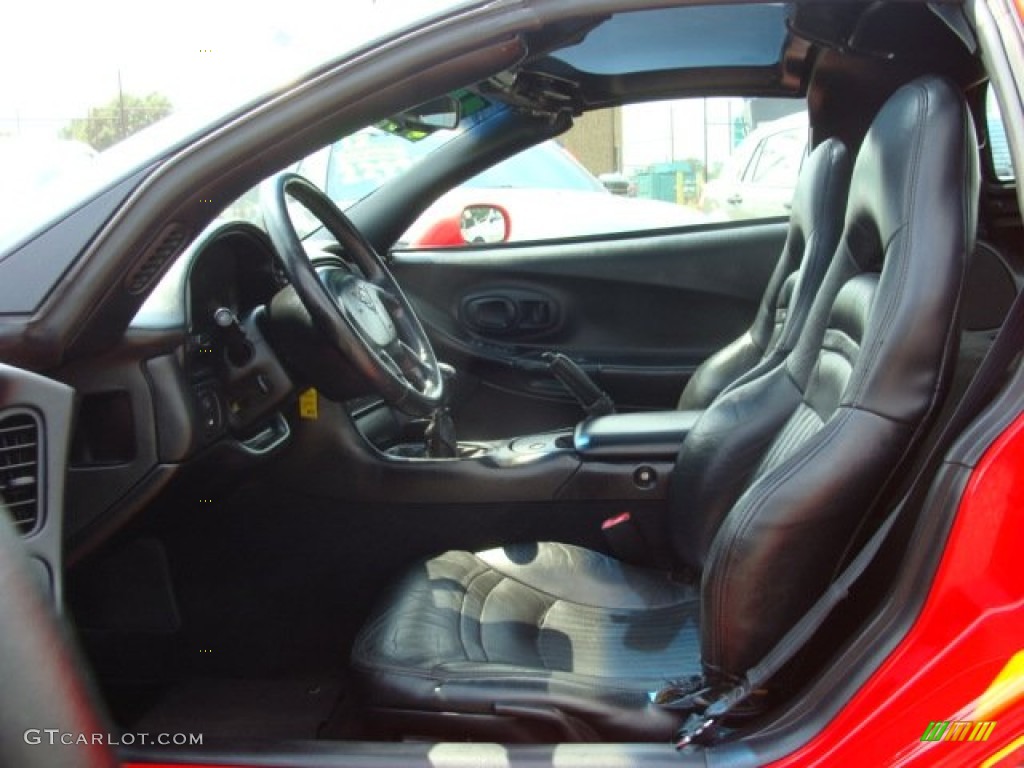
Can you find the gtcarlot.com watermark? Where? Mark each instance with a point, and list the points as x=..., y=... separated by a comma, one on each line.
x=55, y=736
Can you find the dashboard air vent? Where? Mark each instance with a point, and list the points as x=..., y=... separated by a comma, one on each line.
x=20, y=480
x=163, y=249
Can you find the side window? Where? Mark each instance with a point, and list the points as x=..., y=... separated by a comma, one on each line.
x=643, y=167
x=998, y=146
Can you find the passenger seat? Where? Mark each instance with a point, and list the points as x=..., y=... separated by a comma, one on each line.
x=814, y=227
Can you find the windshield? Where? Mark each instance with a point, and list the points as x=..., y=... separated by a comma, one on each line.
x=355, y=166
x=90, y=95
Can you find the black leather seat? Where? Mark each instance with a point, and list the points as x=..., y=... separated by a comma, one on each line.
x=815, y=222
x=770, y=489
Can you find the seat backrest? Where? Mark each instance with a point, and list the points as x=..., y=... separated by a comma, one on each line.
x=779, y=474
x=815, y=222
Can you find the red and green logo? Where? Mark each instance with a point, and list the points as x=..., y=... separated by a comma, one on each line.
x=959, y=730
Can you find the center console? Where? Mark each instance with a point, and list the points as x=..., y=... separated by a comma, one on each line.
x=615, y=456
x=647, y=435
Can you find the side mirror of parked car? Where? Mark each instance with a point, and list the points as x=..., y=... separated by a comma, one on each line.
x=480, y=224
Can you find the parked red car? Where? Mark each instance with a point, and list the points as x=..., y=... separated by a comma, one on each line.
x=286, y=487
x=511, y=201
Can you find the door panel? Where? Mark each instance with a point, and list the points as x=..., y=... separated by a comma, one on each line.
x=639, y=313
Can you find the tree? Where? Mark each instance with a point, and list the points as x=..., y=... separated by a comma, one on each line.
x=118, y=119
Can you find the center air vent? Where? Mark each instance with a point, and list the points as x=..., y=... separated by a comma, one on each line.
x=20, y=480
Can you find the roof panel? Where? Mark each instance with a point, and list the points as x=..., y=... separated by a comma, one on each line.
x=682, y=38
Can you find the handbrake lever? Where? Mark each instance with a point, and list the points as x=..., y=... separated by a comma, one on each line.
x=594, y=401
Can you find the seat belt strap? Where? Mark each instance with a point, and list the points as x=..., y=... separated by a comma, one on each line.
x=707, y=711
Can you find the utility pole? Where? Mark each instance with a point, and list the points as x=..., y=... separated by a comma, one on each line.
x=705, y=132
x=120, y=98
x=672, y=131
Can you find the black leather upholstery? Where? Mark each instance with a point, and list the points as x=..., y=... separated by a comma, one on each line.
x=553, y=624
x=774, y=481
x=814, y=225
x=770, y=488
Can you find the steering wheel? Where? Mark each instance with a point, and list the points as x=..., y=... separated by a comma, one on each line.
x=366, y=318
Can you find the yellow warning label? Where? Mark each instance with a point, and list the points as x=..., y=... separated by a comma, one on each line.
x=309, y=404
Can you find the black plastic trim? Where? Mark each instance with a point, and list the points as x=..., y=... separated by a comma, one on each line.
x=50, y=402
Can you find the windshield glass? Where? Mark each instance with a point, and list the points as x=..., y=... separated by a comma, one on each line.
x=85, y=83
x=357, y=165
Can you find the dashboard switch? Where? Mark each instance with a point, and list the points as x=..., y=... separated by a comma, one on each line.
x=209, y=410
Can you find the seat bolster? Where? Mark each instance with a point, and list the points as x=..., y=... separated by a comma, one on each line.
x=814, y=227
x=720, y=455
x=419, y=626
x=784, y=540
x=719, y=371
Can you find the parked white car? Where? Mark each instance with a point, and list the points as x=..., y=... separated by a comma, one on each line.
x=759, y=178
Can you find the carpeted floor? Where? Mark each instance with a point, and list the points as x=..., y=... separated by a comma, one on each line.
x=229, y=710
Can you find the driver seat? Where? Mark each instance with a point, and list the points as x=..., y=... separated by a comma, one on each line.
x=549, y=641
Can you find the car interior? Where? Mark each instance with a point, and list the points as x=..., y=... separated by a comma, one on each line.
x=337, y=488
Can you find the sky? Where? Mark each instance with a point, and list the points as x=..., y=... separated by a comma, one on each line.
x=60, y=57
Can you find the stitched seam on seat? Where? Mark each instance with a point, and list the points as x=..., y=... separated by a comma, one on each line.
x=483, y=605
x=809, y=261
x=969, y=159
x=796, y=434
x=542, y=621
x=952, y=332
x=909, y=194
x=796, y=462
x=553, y=596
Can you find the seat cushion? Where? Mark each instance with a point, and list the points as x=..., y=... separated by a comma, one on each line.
x=546, y=626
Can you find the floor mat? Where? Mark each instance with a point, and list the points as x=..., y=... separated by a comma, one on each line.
x=231, y=710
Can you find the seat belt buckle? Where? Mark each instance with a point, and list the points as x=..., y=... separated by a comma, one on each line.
x=624, y=539
x=698, y=730
x=707, y=706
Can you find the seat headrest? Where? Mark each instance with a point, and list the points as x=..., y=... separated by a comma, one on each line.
x=914, y=154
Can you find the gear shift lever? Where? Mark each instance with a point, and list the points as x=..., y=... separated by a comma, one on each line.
x=440, y=439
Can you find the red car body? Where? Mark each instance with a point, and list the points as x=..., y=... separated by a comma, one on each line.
x=963, y=660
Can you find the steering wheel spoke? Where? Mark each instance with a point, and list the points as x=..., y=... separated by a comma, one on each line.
x=413, y=366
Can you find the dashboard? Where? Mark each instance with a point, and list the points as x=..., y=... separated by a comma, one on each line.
x=232, y=371
x=194, y=383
